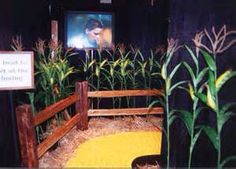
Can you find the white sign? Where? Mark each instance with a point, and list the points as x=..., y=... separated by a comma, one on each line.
x=105, y=1
x=16, y=70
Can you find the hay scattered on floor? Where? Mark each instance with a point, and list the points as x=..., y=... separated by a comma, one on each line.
x=98, y=126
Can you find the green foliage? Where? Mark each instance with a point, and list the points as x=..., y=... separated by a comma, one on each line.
x=122, y=69
x=169, y=86
x=222, y=113
x=195, y=91
x=52, y=73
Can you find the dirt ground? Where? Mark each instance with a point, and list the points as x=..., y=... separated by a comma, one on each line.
x=98, y=126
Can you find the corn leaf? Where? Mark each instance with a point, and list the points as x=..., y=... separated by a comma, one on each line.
x=211, y=102
x=174, y=70
x=211, y=83
x=192, y=55
x=109, y=53
x=169, y=56
x=187, y=118
x=226, y=107
x=140, y=54
x=127, y=54
x=91, y=63
x=228, y=159
x=144, y=69
x=176, y=85
x=153, y=103
x=223, y=78
x=223, y=118
x=191, y=91
x=103, y=63
x=201, y=75
x=209, y=60
x=97, y=71
x=190, y=70
x=164, y=71
x=202, y=97
x=157, y=64
x=195, y=138
x=212, y=135
x=172, y=119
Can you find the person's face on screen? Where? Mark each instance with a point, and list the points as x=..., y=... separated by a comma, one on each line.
x=94, y=33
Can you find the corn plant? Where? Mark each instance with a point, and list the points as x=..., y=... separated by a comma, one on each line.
x=111, y=76
x=222, y=112
x=125, y=73
x=52, y=72
x=169, y=88
x=52, y=79
x=194, y=86
x=218, y=44
x=121, y=69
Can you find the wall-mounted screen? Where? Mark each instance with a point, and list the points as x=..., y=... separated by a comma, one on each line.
x=89, y=30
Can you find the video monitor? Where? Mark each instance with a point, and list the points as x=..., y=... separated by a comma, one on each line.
x=89, y=30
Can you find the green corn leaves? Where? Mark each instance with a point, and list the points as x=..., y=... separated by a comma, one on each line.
x=192, y=75
x=214, y=85
x=201, y=74
x=209, y=60
x=212, y=135
x=195, y=60
x=123, y=69
x=194, y=140
x=187, y=118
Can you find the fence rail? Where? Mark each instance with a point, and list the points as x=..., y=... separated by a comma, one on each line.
x=125, y=111
x=123, y=93
x=30, y=151
x=53, y=109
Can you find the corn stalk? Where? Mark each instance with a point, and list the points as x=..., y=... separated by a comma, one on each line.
x=218, y=44
x=169, y=88
x=194, y=86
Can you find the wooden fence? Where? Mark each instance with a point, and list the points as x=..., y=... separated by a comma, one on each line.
x=31, y=152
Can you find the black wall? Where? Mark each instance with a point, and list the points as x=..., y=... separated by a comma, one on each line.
x=188, y=17
x=136, y=21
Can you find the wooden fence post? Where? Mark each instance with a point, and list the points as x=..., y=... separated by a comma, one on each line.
x=82, y=105
x=77, y=103
x=27, y=136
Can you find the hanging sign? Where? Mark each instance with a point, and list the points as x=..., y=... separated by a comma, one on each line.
x=105, y=1
x=16, y=70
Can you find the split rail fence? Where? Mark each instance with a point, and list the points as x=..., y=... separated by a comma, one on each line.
x=26, y=122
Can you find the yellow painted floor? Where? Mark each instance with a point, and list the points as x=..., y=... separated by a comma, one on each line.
x=116, y=151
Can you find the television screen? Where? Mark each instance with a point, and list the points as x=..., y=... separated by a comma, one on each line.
x=89, y=29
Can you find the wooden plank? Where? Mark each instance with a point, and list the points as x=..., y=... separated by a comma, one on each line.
x=54, y=108
x=83, y=109
x=123, y=93
x=77, y=103
x=125, y=111
x=27, y=136
x=57, y=135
